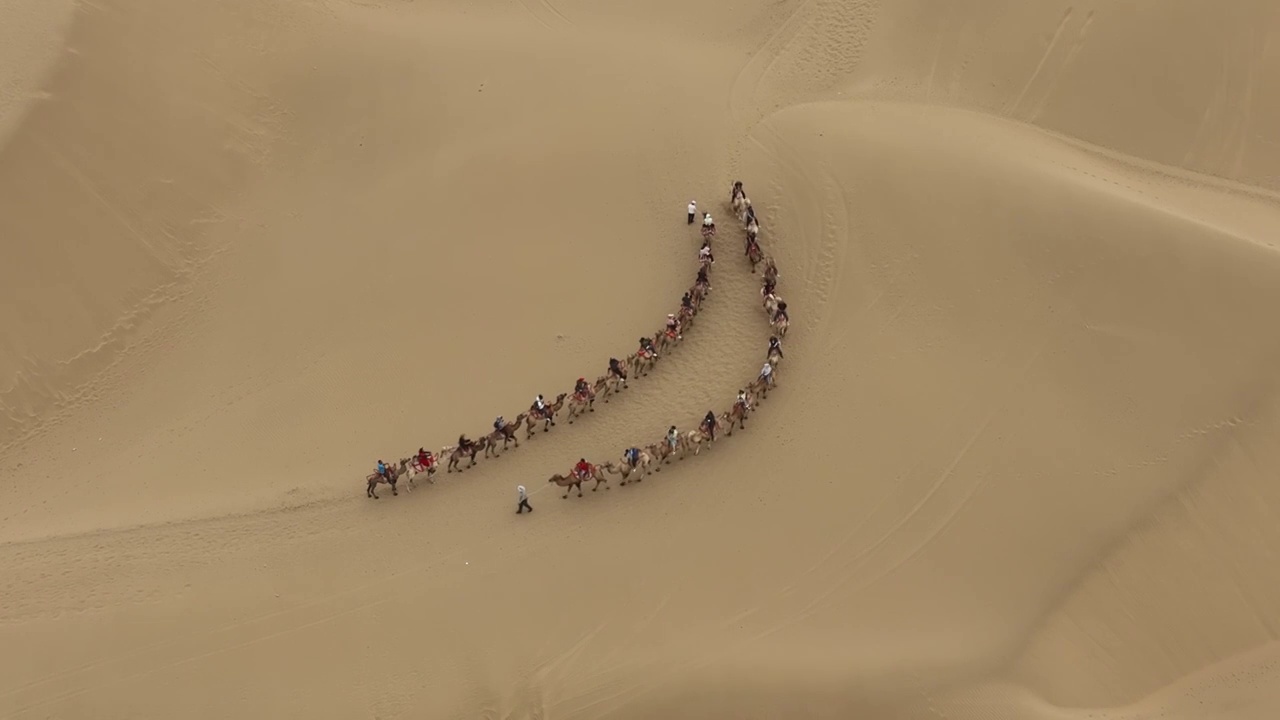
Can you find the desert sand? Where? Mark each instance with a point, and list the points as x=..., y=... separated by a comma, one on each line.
x=1021, y=462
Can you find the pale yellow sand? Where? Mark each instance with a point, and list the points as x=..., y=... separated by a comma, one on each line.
x=1021, y=463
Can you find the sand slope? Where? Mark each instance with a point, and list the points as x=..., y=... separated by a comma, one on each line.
x=1018, y=465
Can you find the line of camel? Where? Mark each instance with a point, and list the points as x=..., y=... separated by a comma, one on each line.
x=636, y=462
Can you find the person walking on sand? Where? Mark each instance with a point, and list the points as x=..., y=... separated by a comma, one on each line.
x=693, y=210
x=524, y=500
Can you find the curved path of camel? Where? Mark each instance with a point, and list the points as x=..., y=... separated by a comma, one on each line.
x=645, y=458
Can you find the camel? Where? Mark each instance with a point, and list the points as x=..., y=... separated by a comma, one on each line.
x=506, y=434
x=572, y=481
x=456, y=454
x=393, y=474
x=693, y=440
x=685, y=316
x=771, y=304
x=780, y=325
x=548, y=417
x=603, y=387
x=759, y=388
x=642, y=363
x=698, y=293
x=660, y=452
x=737, y=416
x=580, y=404
x=624, y=468
x=754, y=254
x=416, y=469
x=770, y=270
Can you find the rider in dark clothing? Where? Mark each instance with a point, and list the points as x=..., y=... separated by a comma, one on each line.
x=709, y=424
x=646, y=344
x=615, y=369
x=686, y=302
x=775, y=346
x=782, y=312
x=702, y=276
x=581, y=387
x=633, y=456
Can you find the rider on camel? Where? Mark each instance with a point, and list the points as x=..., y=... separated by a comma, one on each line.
x=539, y=407
x=581, y=388
x=742, y=399
x=702, y=278
x=738, y=191
x=646, y=347
x=751, y=214
x=673, y=326
x=769, y=287
x=709, y=424
x=424, y=457
x=382, y=470
x=775, y=346
x=686, y=302
x=766, y=373
x=781, y=312
x=616, y=369
x=464, y=444
x=704, y=255
x=633, y=456
x=673, y=437
x=582, y=469
x=499, y=423
x=708, y=224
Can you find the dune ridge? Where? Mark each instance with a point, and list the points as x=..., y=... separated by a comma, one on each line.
x=1019, y=466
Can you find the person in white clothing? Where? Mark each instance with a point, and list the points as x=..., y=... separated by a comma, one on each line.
x=524, y=500
x=766, y=373
x=693, y=210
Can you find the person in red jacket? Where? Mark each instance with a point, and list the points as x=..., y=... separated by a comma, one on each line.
x=582, y=469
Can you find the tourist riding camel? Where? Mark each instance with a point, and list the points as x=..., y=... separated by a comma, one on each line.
x=583, y=469
x=632, y=455
x=647, y=349
x=737, y=192
x=775, y=347
x=781, y=312
x=673, y=326
x=673, y=438
x=615, y=369
x=705, y=257
x=743, y=401
x=703, y=280
x=382, y=470
x=686, y=302
x=766, y=373
x=425, y=459
x=709, y=424
x=582, y=388
x=539, y=407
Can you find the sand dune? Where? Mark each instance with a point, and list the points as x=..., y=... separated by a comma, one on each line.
x=1017, y=465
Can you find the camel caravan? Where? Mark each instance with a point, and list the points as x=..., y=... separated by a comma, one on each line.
x=544, y=413
x=638, y=461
